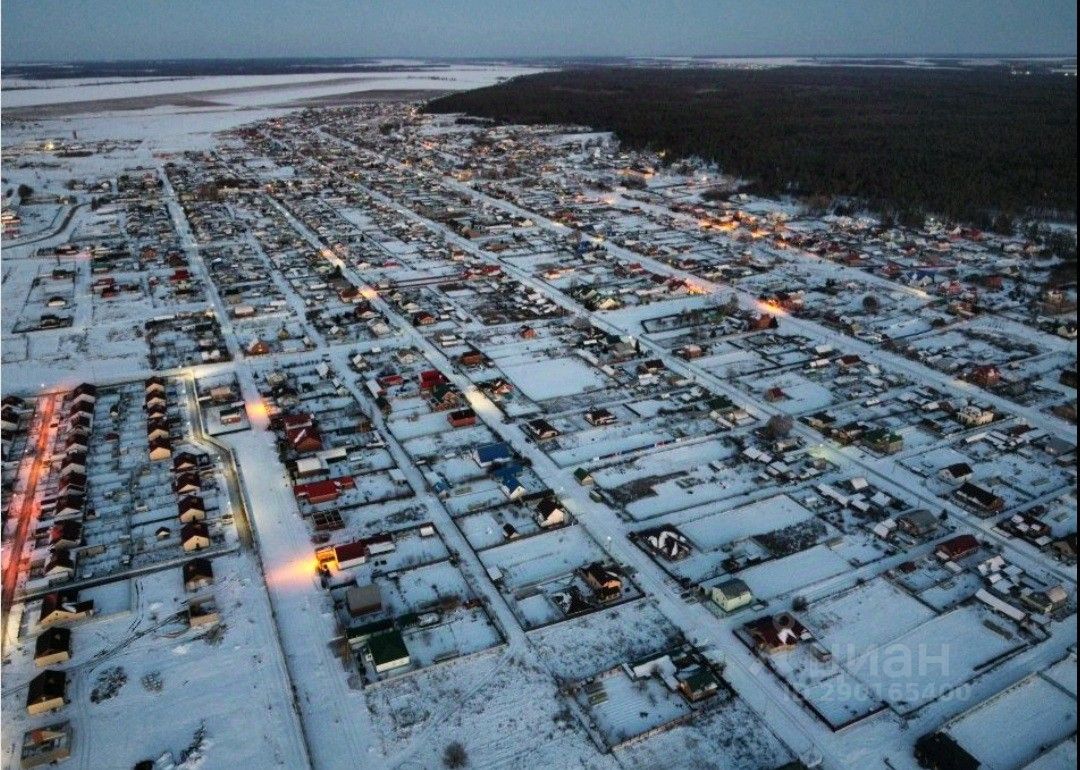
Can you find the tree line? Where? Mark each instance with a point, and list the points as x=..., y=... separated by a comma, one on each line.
x=969, y=144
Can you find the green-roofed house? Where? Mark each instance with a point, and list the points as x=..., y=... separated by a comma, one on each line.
x=388, y=651
x=583, y=477
x=699, y=685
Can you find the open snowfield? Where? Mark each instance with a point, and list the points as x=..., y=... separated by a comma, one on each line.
x=253, y=90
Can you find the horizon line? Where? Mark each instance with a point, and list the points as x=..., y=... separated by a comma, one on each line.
x=540, y=57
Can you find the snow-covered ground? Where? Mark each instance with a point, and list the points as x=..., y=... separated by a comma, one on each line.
x=277, y=686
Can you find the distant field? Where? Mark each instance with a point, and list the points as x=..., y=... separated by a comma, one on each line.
x=960, y=142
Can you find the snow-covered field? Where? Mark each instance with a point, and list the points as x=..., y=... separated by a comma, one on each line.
x=247, y=91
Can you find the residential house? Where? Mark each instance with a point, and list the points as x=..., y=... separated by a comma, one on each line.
x=777, y=633
x=60, y=566
x=666, y=542
x=351, y=554
x=981, y=499
x=191, y=508
x=541, y=430
x=84, y=393
x=194, y=536
x=509, y=483
x=187, y=483
x=202, y=612
x=731, y=595
x=985, y=376
x=47, y=745
x=549, y=514
x=198, y=573
x=699, y=684
x=956, y=473
x=66, y=534
x=606, y=581
x=920, y=523
x=52, y=646
x=160, y=449
x=957, y=547
x=47, y=692
x=462, y=418
x=63, y=608
x=487, y=455
x=387, y=651
x=974, y=416
x=598, y=417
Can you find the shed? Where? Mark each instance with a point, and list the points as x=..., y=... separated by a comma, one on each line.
x=362, y=600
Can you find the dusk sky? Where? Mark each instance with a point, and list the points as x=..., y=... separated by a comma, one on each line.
x=39, y=30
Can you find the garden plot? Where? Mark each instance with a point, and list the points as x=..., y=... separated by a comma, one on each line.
x=933, y=658
x=598, y=443
x=775, y=578
x=554, y=378
x=534, y=560
x=716, y=530
x=952, y=591
x=109, y=598
x=679, y=457
x=448, y=443
x=410, y=550
x=475, y=496
x=1063, y=755
x=488, y=528
x=629, y=707
x=726, y=734
x=584, y=646
x=503, y=710
x=834, y=695
x=1018, y=479
x=457, y=469
x=865, y=617
x=376, y=487
x=801, y=395
x=419, y=425
x=1013, y=728
x=932, y=461
x=691, y=489
x=460, y=633
x=416, y=590
x=1063, y=674
x=541, y=574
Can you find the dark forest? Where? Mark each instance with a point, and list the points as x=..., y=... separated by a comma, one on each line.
x=968, y=143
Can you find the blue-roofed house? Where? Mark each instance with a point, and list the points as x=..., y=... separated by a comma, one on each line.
x=509, y=482
x=487, y=455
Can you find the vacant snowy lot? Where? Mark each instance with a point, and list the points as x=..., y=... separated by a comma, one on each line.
x=712, y=532
x=1011, y=729
x=552, y=378
x=932, y=659
x=867, y=616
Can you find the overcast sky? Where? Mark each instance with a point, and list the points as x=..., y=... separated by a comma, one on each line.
x=40, y=30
